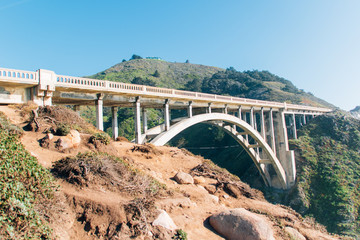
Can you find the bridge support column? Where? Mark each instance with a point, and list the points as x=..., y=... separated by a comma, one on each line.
x=144, y=115
x=77, y=109
x=304, y=119
x=272, y=132
x=252, y=116
x=208, y=109
x=137, y=121
x=167, y=115
x=225, y=109
x=286, y=157
x=189, y=109
x=99, y=112
x=115, y=126
x=262, y=123
x=239, y=113
x=245, y=119
x=294, y=126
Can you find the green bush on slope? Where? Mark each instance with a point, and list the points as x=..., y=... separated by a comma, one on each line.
x=328, y=186
x=23, y=185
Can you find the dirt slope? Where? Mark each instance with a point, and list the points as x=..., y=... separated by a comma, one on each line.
x=87, y=211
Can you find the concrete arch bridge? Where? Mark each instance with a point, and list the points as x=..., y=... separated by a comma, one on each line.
x=261, y=127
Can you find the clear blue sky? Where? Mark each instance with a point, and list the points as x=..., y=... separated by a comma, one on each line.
x=314, y=44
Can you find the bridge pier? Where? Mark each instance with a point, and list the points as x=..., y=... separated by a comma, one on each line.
x=294, y=126
x=115, y=126
x=137, y=121
x=285, y=156
x=77, y=109
x=208, y=109
x=99, y=112
x=144, y=114
x=189, y=109
x=167, y=115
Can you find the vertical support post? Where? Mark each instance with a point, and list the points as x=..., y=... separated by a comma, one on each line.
x=283, y=128
x=145, y=127
x=304, y=119
x=226, y=109
x=245, y=119
x=239, y=113
x=115, y=126
x=252, y=116
x=77, y=109
x=272, y=132
x=189, y=110
x=294, y=126
x=209, y=108
x=99, y=112
x=167, y=115
x=137, y=121
x=262, y=123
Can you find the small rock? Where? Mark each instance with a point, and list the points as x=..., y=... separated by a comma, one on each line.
x=164, y=220
x=226, y=196
x=240, y=224
x=294, y=234
x=45, y=141
x=210, y=188
x=233, y=190
x=199, y=180
x=184, y=178
x=214, y=198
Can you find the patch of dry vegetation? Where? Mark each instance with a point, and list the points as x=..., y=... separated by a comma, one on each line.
x=226, y=181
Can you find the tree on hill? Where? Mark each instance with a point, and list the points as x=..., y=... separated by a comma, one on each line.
x=141, y=81
x=134, y=56
x=156, y=74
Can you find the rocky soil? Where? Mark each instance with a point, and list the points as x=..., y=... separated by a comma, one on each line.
x=98, y=210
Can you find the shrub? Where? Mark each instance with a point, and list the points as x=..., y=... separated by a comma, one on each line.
x=102, y=137
x=63, y=129
x=25, y=189
x=180, y=235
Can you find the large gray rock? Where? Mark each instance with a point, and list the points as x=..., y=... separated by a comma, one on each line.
x=240, y=224
x=164, y=220
x=183, y=178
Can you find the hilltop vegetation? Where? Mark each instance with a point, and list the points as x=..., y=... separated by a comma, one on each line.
x=156, y=73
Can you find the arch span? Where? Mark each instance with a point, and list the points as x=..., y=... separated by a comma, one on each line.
x=271, y=158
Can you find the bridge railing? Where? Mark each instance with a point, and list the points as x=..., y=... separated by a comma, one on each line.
x=108, y=86
x=103, y=85
x=19, y=75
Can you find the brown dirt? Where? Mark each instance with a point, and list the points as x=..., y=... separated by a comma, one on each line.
x=98, y=213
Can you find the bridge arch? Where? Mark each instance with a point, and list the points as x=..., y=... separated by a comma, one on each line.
x=271, y=158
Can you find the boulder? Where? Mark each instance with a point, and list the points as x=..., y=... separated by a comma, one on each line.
x=210, y=188
x=233, y=190
x=240, y=224
x=199, y=180
x=164, y=220
x=294, y=234
x=183, y=178
x=72, y=140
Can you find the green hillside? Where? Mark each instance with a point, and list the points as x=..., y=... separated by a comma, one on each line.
x=254, y=84
x=328, y=165
x=170, y=75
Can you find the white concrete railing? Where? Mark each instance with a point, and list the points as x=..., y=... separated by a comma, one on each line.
x=103, y=85
x=19, y=75
x=118, y=87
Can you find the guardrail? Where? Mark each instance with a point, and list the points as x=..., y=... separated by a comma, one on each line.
x=18, y=75
x=117, y=87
